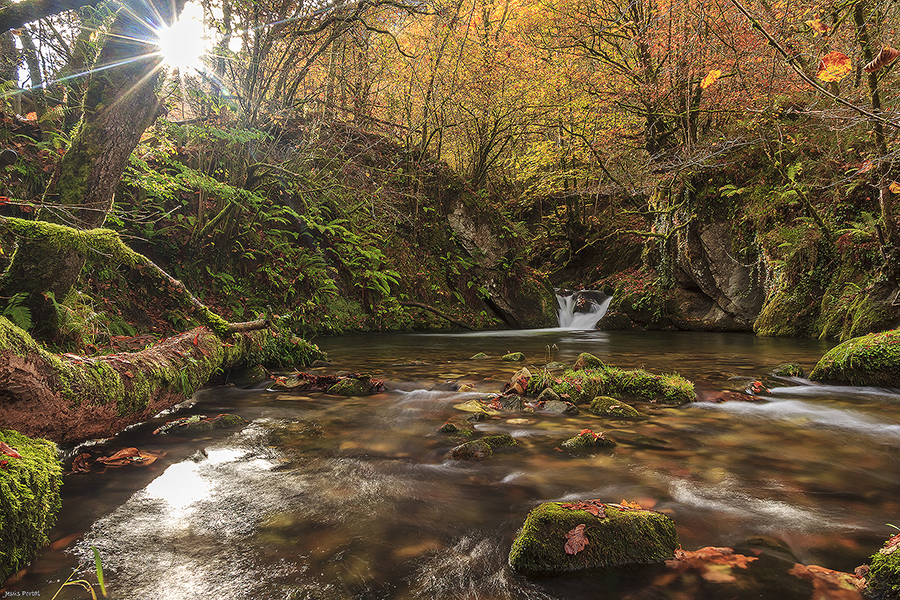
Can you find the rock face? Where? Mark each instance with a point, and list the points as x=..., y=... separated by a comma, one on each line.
x=515, y=293
x=559, y=538
x=872, y=359
x=716, y=291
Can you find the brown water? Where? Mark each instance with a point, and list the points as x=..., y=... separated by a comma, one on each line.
x=327, y=497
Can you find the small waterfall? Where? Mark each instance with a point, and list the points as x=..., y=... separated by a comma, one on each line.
x=581, y=309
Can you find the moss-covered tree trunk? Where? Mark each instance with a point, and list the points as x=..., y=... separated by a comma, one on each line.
x=120, y=103
x=71, y=398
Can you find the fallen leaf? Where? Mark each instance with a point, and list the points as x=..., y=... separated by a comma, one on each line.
x=711, y=563
x=129, y=456
x=834, y=585
x=7, y=450
x=576, y=540
x=595, y=507
x=894, y=187
x=834, y=66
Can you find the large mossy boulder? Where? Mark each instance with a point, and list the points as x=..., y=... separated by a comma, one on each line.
x=581, y=387
x=883, y=582
x=29, y=498
x=872, y=359
x=560, y=538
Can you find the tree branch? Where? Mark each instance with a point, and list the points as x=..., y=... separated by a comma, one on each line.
x=28, y=11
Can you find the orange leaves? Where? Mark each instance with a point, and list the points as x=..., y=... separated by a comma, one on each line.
x=894, y=187
x=817, y=26
x=595, y=507
x=713, y=564
x=710, y=78
x=576, y=540
x=884, y=58
x=834, y=66
x=129, y=456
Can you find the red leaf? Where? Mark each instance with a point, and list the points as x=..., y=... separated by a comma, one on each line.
x=575, y=540
x=4, y=200
x=129, y=374
x=7, y=450
x=128, y=456
x=595, y=507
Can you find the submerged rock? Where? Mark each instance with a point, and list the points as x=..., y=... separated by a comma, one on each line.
x=559, y=538
x=483, y=448
x=789, y=370
x=479, y=356
x=513, y=357
x=606, y=405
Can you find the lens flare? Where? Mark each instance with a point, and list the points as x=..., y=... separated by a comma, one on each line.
x=183, y=45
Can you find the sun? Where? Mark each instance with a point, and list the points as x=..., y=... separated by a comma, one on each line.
x=183, y=45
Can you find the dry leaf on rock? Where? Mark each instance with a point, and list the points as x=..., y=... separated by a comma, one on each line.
x=130, y=456
x=595, y=507
x=576, y=540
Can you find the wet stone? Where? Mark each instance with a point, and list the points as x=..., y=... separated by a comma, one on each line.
x=558, y=407
x=513, y=357
x=608, y=406
x=547, y=395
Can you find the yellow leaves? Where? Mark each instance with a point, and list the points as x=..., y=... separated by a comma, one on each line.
x=710, y=78
x=834, y=66
x=818, y=26
x=894, y=187
x=884, y=58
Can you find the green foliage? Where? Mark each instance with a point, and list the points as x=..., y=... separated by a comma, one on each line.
x=16, y=311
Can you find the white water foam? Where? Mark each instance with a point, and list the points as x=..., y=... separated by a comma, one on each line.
x=569, y=319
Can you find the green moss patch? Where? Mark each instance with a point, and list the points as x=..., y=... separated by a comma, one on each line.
x=581, y=387
x=872, y=359
x=29, y=499
x=615, y=536
x=607, y=406
x=883, y=582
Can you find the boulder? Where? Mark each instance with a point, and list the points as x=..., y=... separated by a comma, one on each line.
x=479, y=356
x=519, y=382
x=483, y=448
x=513, y=357
x=563, y=537
x=872, y=359
x=558, y=407
x=608, y=406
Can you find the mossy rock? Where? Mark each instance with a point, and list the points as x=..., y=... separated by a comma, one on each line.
x=483, y=448
x=513, y=357
x=223, y=421
x=29, y=499
x=581, y=387
x=548, y=394
x=352, y=386
x=789, y=370
x=586, y=442
x=586, y=360
x=448, y=428
x=479, y=356
x=883, y=582
x=475, y=406
x=608, y=406
x=872, y=359
x=620, y=537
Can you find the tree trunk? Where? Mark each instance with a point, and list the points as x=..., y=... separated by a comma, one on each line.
x=120, y=103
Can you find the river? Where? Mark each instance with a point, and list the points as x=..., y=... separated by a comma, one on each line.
x=328, y=497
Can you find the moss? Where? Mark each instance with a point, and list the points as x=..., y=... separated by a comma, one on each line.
x=29, y=499
x=621, y=537
x=479, y=356
x=872, y=359
x=606, y=405
x=580, y=387
x=513, y=357
x=352, y=386
x=474, y=450
x=502, y=440
x=883, y=582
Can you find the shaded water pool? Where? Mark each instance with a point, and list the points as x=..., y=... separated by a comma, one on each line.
x=328, y=497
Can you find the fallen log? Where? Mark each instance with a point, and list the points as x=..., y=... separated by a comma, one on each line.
x=71, y=398
x=437, y=312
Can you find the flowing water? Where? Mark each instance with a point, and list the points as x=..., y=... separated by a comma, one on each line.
x=328, y=497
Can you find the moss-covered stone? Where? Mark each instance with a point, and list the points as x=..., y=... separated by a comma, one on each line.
x=483, y=448
x=883, y=582
x=479, y=356
x=29, y=499
x=513, y=357
x=500, y=440
x=789, y=370
x=352, y=386
x=607, y=406
x=618, y=537
x=587, y=441
x=583, y=386
x=586, y=360
x=872, y=359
